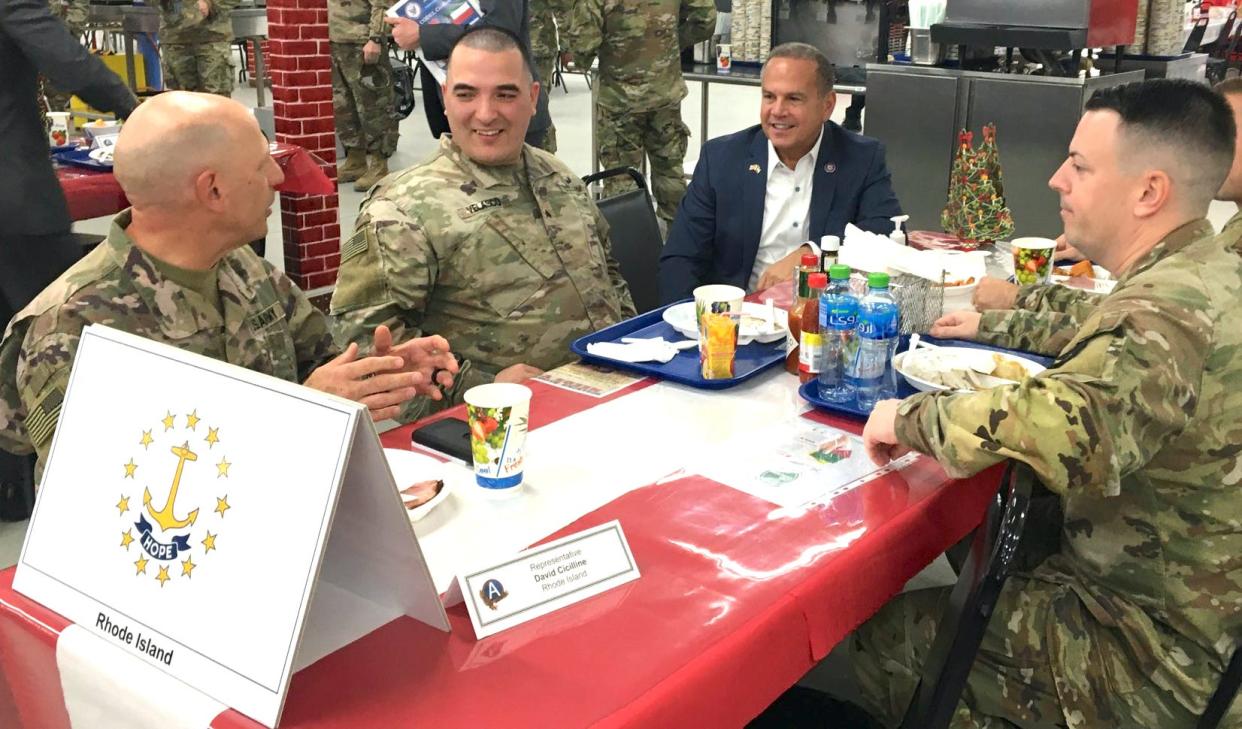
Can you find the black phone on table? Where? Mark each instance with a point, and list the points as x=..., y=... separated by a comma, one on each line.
x=450, y=436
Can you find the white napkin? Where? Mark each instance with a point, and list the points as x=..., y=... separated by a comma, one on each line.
x=638, y=350
x=871, y=252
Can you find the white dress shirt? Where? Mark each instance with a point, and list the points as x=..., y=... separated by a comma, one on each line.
x=786, y=209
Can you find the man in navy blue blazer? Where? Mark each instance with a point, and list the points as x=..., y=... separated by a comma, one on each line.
x=758, y=196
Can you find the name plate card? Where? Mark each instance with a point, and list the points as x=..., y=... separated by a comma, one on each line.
x=225, y=527
x=547, y=578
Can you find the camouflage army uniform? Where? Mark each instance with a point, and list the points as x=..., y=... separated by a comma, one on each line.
x=74, y=13
x=638, y=102
x=197, y=50
x=1232, y=232
x=362, y=94
x=1136, y=427
x=264, y=324
x=510, y=264
x=544, y=49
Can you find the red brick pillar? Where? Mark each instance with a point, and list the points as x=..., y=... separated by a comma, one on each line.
x=301, y=73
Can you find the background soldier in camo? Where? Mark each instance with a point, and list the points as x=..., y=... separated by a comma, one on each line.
x=638, y=102
x=545, y=15
x=492, y=243
x=1134, y=426
x=74, y=14
x=196, y=39
x=362, y=89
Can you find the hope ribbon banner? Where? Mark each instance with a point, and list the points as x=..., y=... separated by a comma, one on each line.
x=157, y=549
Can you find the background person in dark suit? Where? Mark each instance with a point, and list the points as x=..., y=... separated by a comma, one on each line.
x=36, y=243
x=758, y=195
x=437, y=41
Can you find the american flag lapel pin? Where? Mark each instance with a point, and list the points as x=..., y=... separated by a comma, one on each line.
x=756, y=169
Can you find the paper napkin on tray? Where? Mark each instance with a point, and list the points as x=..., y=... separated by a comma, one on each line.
x=639, y=350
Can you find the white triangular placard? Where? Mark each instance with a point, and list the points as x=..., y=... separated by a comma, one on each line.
x=226, y=527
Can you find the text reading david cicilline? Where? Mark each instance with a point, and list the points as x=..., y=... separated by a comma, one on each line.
x=560, y=570
x=126, y=636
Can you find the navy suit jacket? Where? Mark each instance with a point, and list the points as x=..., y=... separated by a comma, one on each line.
x=715, y=236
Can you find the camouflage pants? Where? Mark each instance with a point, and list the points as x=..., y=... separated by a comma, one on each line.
x=1011, y=683
x=623, y=137
x=544, y=66
x=363, y=101
x=198, y=67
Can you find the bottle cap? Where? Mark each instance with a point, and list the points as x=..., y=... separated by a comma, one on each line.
x=817, y=280
x=839, y=272
x=829, y=243
x=877, y=280
x=810, y=259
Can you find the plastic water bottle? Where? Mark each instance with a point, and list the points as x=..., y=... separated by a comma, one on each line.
x=872, y=371
x=838, y=315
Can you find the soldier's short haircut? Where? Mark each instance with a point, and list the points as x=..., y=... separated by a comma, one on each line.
x=1229, y=86
x=494, y=40
x=1190, y=123
x=825, y=77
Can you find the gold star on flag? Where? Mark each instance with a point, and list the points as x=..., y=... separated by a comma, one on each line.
x=209, y=542
x=141, y=564
x=163, y=575
x=146, y=439
x=222, y=468
x=222, y=504
x=213, y=436
x=187, y=567
x=130, y=468
x=127, y=539
x=123, y=505
x=191, y=420
x=168, y=421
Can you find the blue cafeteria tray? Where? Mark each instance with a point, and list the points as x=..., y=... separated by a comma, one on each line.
x=81, y=158
x=751, y=358
x=810, y=390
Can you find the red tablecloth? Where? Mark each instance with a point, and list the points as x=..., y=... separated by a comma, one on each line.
x=736, y=601
x=92, y=194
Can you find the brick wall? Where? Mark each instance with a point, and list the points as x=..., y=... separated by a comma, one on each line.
x=250, y=60
x=301, y=75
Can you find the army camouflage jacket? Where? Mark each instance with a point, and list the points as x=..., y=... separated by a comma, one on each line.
x=509, y=266
x=74, y=12
x=543, y=43
x=1232, y=232
x=1136, y=426
x=182, y=23
x=356, y=21
x=639, y=44
x=267, y=325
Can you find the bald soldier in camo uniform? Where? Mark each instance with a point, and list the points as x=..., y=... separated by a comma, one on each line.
x=1135, y=426
x=492, y=243
x=176, y=269
x=362, y=89
x=638, y=102
x=196, y=38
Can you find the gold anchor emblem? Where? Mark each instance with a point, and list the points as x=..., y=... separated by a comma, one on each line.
x=165, y=517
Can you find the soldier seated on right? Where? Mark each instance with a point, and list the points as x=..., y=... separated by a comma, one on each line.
x=492, y=243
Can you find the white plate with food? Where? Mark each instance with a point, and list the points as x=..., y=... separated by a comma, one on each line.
x=754, y=326
x=420, y=480
x=962, y=369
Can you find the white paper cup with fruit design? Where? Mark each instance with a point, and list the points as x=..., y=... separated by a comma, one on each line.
x=1032, y=260
x=498, y=415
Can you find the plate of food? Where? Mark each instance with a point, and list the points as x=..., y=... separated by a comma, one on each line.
x=754, y=327
x=420, y=480
x=1084, y=275
x=962, y=369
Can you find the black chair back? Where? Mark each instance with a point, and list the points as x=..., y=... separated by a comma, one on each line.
x=635, y=234
x=1196, y=36
x=993, y=552
x=1225, y=692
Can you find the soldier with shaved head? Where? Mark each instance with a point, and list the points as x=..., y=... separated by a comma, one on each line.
x=175, y=268
x=1135, y=427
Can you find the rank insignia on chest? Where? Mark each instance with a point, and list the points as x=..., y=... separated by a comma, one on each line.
x=474, y=209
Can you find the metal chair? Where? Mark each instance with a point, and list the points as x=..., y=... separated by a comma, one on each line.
x=993, y=555
x=635, y=235
x=1195, y=39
